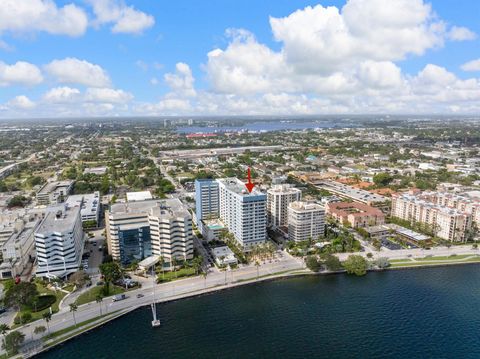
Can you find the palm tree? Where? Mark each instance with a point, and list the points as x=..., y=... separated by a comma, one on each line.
x=162, y=263
x=47, y=316
x=4, y=330
x=99, y=300
x=257, y=264
x=173, y=263
x=39, y=330
x=73, y=309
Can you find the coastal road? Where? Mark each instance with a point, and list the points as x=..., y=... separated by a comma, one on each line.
x=166, y=291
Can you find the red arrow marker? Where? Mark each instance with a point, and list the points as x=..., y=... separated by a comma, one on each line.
x=249, y=184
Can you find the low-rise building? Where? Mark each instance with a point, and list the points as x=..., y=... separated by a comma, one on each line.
x=54, y=192
x=224, y=256
x=355, y=214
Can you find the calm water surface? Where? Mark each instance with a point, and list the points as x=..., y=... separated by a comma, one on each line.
x=421, y=313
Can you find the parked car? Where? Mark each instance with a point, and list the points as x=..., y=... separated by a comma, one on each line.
x=140, y=295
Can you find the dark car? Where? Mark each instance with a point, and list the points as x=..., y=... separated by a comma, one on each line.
x=140, y=295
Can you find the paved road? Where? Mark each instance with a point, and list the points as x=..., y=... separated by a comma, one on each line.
x=164, y=291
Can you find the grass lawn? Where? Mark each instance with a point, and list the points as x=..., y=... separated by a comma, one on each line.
x=434, y=262
x=91, y=294
x=178, y=274
x=443, y=258
x=39, y=315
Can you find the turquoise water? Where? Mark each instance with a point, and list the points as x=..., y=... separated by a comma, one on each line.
x=421, y=313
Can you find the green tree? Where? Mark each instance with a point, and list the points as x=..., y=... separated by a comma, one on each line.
x=331, y=262
x=73, y=309
x=4, y=330
x=382, y=179
x=20, y=294
x=111, y=272
x=382, y=263
x=355, y=264
x=47, y=316
x=312, y=263
x=18, y=201
x=39, y=330
x=13, y=342
x=99, y=300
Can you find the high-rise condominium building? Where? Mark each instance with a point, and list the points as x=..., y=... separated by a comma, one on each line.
x=242, y=212
x=207, y=202
x=278, y=199
x=137, y=230
x=305, y=221
x=59, y=241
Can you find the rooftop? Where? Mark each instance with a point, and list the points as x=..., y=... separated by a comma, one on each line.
x=90, y=203
x=59, y=218
x=146, y=207
x=138, y=196
x=53, y=186
x=238, y=187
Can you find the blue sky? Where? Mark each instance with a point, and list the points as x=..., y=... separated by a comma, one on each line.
x=136, y=60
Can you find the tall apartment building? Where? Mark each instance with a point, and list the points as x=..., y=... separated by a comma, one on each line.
x=278, y=199
x=171, y=231
x=137, y=230
x=207, y=202
x=59, y=241
x=446, y=223
x=54, y=192
x=243, y=213
x=305, y=221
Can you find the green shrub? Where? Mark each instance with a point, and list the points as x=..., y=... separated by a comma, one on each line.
x=44, y=301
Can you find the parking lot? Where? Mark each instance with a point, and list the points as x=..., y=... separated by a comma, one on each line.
x=93, y=254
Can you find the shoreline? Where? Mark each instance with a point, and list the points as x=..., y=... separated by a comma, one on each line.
x=207, y=291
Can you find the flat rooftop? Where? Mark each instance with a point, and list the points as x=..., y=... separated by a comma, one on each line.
x=138, y=196
x=60, y=218
x=90, y=203
x=52, y=186
x=238, y=187
x=355, y=194
x=145, y=207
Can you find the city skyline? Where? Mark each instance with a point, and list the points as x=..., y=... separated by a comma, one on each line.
x=141, y=58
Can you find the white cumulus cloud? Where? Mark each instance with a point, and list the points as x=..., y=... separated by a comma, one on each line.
x=62, y=95
x=21, y=102
x=107, y=95
x=24, y=16
x=75, y=71
x=473, y=65
x=20, y=73
x=125, y=19
x=181, y=82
